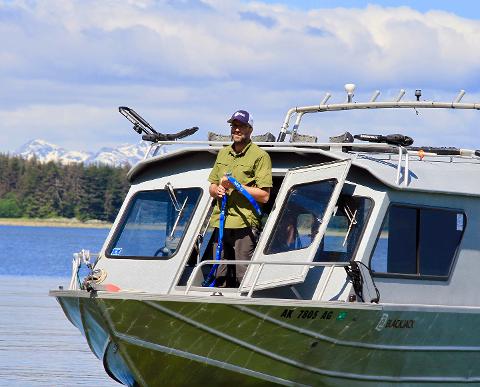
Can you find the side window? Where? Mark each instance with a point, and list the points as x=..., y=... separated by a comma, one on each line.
x=418, y=241
x=344, y=229
x=300, y=217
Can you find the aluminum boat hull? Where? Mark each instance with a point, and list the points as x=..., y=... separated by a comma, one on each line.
x=152, y=340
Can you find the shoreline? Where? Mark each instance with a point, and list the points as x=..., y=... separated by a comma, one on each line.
x=60, y=222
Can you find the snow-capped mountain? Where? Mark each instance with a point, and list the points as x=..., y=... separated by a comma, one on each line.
x=124, y=153
x=121, y=155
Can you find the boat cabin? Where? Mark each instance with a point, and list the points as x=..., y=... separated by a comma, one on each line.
x=346, y=222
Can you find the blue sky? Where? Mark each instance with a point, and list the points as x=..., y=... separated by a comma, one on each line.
x=68, y=64
x=464, y=8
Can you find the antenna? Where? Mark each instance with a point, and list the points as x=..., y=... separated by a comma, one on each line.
x=350, y=88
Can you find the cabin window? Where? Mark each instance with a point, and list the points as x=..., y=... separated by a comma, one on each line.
x=418, y=241
x=154, y=225
x=300, y=217
x=344, y=229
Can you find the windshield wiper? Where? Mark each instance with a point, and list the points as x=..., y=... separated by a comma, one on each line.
x=170, y=243
x=351, y=216
x=176, y=205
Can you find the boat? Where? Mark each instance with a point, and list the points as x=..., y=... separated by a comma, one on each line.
x=376, y=287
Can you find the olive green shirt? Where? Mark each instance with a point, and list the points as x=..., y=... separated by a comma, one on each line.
x=252, y=167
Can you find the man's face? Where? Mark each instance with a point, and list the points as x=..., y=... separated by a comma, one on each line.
x=240, y=132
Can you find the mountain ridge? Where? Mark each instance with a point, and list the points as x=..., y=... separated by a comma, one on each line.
x=45, y=151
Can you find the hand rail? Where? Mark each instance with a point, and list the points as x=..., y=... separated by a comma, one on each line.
x=262, y=265
x=83, y=256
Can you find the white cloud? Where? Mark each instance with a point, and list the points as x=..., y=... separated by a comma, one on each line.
x=67, y=65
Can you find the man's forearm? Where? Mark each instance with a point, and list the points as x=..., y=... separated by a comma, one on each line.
x=260, y=195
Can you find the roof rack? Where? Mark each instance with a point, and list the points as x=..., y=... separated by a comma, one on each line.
x=372, y=104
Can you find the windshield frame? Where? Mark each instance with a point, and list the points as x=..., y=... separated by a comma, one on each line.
x=126, y=213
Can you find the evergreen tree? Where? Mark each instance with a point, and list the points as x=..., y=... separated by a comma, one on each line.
x=32, y=189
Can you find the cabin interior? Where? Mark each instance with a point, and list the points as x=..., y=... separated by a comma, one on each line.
x=414, y=246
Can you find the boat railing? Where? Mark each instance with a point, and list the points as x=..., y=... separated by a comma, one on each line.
x=262, y=264
x=85, y=257
x=350, y=104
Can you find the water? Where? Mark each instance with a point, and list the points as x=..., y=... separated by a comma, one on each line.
x=38, y=345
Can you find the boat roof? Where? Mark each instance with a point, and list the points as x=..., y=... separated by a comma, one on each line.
x=432, y=173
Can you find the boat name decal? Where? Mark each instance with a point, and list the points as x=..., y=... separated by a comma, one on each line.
x=402, y=324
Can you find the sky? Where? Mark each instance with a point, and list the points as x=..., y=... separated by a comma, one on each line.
x=66, y=66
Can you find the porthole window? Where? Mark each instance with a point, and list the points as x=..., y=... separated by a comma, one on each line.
x=420, y=242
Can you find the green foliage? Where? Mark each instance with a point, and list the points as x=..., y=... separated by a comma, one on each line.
x=9, y=207
x=32, y=189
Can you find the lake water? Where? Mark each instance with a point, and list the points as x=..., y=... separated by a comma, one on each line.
x=38, y=345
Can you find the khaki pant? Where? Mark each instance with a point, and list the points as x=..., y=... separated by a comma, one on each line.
x=238, y=244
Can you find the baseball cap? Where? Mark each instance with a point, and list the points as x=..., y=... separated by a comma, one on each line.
x=242, y=116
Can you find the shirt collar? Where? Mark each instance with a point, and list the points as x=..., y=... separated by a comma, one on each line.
x=232, y=151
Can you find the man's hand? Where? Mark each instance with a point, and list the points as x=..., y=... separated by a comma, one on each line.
x=224, y=182
x=221, y=191
x=217, y=191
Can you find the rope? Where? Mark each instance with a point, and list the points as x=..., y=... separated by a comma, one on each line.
x=97, y=276
x=245, y=193
x=211, y=277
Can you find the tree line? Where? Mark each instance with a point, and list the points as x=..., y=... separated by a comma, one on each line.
x=32, y=189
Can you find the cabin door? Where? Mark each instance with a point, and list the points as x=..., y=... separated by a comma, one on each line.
x=296, y=225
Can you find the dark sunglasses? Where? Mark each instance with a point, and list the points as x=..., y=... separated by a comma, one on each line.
x=239, y=125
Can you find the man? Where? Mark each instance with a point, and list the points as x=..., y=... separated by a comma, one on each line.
x=251, y=167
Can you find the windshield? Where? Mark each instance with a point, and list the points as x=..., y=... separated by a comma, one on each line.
x=154, y=225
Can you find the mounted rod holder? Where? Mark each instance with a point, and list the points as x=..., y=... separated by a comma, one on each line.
x=325, y=99
x=400, y=95
x=459, y=96
x=375, y=96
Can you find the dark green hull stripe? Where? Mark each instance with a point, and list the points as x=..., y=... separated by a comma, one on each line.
x=203, y=359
